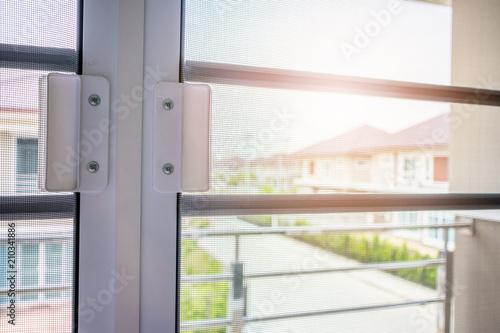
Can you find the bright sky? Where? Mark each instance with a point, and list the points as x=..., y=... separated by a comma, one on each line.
x=387, y=39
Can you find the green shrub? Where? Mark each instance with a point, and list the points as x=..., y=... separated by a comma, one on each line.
x=366, y=250
x=266, y=189
x=204, y=300
x=237, y=179
x=198, y=223
x=299, y=222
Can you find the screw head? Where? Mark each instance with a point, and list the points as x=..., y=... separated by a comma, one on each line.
x=94, y=100
x=93, y=167
x=168, y=104
x=168, y=169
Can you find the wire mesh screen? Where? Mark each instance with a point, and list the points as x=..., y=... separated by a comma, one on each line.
x=276, y=131
x=36, y=229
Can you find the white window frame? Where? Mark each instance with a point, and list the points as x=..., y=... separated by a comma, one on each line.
x=129, y=227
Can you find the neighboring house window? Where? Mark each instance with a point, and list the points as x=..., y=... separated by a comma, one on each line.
x=428, y=168
x=409, y=168
x=408, y=218
x=327, y=169
x=362, y=163
x=440, y=169
x=26, y=164
x=435, y=236
x=29, y=260
x=54, y=266
x=42, y=265
x=311, y=168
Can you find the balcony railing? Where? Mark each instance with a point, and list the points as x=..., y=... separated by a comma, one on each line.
x=238, y=279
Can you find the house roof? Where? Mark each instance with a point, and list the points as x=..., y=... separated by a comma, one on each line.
x=434, y=132
x=365, y=139
x=357, y=141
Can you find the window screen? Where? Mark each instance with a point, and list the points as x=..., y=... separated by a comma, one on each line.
x=295, y=135
x=36, y=228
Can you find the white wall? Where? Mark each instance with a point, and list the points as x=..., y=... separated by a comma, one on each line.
x=474, y=148
x=474, y=162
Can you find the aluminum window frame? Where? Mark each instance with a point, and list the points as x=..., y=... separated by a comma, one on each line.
x=155, y=234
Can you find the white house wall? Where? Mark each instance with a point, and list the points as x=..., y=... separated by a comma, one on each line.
x=382, y=171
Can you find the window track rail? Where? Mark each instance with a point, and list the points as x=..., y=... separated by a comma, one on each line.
x=218, y=73
x=270, y=204
x=38, y=57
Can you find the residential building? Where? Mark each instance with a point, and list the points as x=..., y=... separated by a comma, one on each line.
x=46, y=261
x=369, y=160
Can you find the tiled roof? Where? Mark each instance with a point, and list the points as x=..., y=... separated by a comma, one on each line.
x=365, y=139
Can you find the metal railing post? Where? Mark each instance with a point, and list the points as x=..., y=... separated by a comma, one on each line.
x=441, y=290
x=445, y=287
x=237, y=303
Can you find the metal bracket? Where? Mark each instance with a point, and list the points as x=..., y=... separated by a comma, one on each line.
x=181, y=147
x=77, y=136
x=467, y=231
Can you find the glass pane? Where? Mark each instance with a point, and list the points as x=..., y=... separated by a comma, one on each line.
x=36, y=237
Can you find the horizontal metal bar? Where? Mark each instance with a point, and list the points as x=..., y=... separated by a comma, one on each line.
x=389, y=266
x=384, y=266
x=38, y=58
x=316, y=230
x=36, y=290
x=309, y=81
x=341, y=310
x=203, y=324
x=216, y=323
x=206, y=278
x=39, y=207
x=269, y=204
